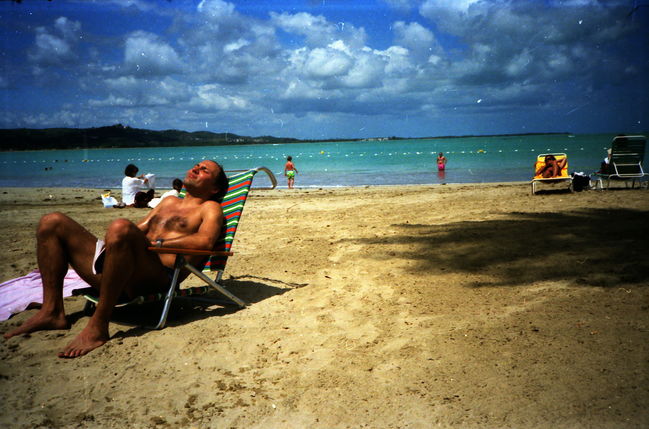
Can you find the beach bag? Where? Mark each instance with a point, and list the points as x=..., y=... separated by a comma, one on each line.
x=580, y=182
x=107, y=200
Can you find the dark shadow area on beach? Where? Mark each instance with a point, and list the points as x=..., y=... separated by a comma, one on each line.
x=185, y=310
x=594, y=247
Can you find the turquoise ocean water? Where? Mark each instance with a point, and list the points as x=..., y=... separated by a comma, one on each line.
x=470, y=160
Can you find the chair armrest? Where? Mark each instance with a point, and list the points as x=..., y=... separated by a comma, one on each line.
x=189, y=251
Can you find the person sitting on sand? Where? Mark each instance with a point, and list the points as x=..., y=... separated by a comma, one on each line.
x=606, y=163
x=132, y=195
x=551, y=168
x=176, y=186
x=124, y=265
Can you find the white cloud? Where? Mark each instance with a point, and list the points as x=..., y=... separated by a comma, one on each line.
x=298, y=89
x=559, y=62
x=519, y=63
x=55, y=46
x=147, y=55
x=220, y=45
x=418, y=39
x=367, y=72
x=235, y=46
x=325, y=63
x=317, y=31
x=216, y=9
x=142, y=5
x=68, y=29
x=508, y=42
x=451, y=14
x=210, y=97
x=398, y=61
x=413, y=34
x=137, y=92
x=111, y=101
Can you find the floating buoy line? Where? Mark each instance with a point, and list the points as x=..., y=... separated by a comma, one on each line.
x=282, y=157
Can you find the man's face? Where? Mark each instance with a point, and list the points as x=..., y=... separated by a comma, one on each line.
x=203, y=174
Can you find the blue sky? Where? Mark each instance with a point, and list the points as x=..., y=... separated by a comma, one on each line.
x=321, y=69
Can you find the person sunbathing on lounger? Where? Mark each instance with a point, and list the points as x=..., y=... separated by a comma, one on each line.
x=124, y=263
x=552, y=167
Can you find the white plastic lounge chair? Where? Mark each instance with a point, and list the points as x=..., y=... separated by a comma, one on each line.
x=627, y=154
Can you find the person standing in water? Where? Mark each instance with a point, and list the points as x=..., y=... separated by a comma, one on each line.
x=290, y=171
x=441, y=162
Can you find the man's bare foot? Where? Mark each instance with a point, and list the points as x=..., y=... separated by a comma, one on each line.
x=40, y=321
x=87, y=340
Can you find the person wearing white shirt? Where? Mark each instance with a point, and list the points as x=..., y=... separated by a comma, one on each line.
x=177, y=185
x=131, y=185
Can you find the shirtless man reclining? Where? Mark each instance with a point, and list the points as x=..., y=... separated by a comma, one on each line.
x=128, y=266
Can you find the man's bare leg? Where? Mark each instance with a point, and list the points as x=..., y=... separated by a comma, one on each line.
x=127, y=265
x=60, y=241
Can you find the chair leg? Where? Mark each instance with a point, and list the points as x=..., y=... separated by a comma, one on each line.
x=89, y=308
x=241, y=303
x=180, y=261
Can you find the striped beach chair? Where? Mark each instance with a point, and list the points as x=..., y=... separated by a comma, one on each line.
x=232, y=204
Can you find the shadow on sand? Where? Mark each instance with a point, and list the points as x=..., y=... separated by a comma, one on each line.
x=594, y=247
x=184, y=311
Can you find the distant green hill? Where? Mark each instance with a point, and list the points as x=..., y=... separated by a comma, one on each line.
x=118, y=136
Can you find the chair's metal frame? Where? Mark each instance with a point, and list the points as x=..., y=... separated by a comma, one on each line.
x=625, y=162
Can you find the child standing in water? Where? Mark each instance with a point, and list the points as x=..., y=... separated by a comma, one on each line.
x=290, y=171
x=441, y=162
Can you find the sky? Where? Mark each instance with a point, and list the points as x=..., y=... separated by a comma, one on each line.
x=325, y=69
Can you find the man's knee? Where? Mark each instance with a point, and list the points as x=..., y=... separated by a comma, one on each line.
x=121, y=230
x=51, y=222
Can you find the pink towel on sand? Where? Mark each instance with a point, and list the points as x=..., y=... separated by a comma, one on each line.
x=17, y=294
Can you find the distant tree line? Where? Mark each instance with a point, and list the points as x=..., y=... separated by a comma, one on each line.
x=119, y=136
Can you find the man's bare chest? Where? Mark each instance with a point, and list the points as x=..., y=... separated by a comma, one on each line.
x=176, y=220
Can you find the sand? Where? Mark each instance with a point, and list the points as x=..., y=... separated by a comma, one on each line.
x=458, y=306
